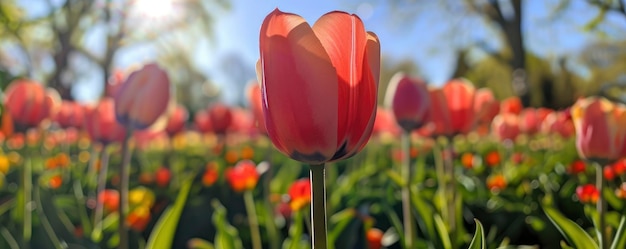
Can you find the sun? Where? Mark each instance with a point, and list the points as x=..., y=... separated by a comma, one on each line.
x=156, y=9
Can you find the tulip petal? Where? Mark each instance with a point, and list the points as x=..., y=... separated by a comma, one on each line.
x=373, y=55
x=299, y=85
x=344, y=38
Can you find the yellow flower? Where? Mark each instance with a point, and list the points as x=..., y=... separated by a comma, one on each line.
x=5, y=164
x=141, y=196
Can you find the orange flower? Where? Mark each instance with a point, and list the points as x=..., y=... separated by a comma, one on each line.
x=621, y=191
x=110, y=199
x=210, y=174
x=243, y=176
x=576, y=167
x=231, y=156
x=55, y=181
x=139, y=218
x=467, y=160
x=143, y=97
x=374, y=238
x=300, y=194
x=587, y=194
x=496, y=182
x=492, y=158
x=319, y=84
x=512, y=105
x=600, y=129
x=146, y=178
x=247, y=152
x=409, y=100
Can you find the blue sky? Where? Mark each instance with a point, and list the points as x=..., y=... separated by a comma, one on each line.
x=427, y=40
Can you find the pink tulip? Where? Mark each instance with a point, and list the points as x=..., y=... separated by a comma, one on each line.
x=409, y=100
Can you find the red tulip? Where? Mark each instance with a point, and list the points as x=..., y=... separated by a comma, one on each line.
x=71, y=114
x=110, y=199
x=459, y=95
x=409, y=100
x=558, y=123
x=439, y=117
x=506, y=126
x=385, y=123
x=27, y=102
x=243, y=176
x=176, y=120
x=114, y=84
x=162, y=177
x=242, y=121
x=511, y=105
x=143, y=97
x=253, y=92
x=530, y=121
x=587, y=194
x=576, y=167
x=486, y=106
x=319, y=84
x=202, y=121
x=220, y=118
x=600, y=129
x=374, y=238
x=299, y=194
x=101, y=124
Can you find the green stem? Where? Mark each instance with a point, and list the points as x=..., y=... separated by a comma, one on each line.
x=318, y=206
x=91, y=169
x=248, y=199
x=27, y=187
x=46, y=223
x=601, y=208
x=451, y=191
x=101, y=184
x=406, y=190
x=124, y=175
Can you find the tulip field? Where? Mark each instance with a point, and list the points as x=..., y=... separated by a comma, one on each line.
x=312, y=159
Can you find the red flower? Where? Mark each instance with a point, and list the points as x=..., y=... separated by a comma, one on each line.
x=385, y=123
x=101, y=124
x=71, y=114
x=162, y=177
x=176, y=120
x=620, y=167
x=587, y=194
x=511, y=105
x=210, y=174
x=374, y=238
x=300, y=194
x=243, y=176
x=496, y=182
x=460, y=104
x=409, y=100
x=110, y=200
x=319, y=84
x=577, y=167
x=492, y=158
x=220, y=117
x=143, y=97
x=609, y=174
x=28, y=103
x=255, y=100
x=486, y=106
x=506, y=126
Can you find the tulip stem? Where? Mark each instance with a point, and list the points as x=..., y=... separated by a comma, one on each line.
x=253, y=221
x=318, y=206
x=27, y=188
x=601, y=208
x=101, y=183
x=124, y=175
x=406, y=190
x=452, y=204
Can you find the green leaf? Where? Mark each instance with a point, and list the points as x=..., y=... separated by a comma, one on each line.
x=478, y=242
x=620, y=236
x=574, y=234
x=443, y=232
x=163, y=233
x=226, y=236
x=339, y=222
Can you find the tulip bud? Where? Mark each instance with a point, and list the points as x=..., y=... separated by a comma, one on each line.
x=143, y=97
x=27, y=103
x=409, y=100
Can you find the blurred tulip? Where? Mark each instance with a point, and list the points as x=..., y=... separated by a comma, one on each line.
x=71, y=114
x=176, y=121
x=506, y=126
x=110, y=199
x=409, y=101
x=242, y=122
x=114, y=83
x=558, y=123
x=319, y=84
x=621, y=191
x=143, y=97
x=587, y=194
x=577, y=167
x=299, y=194
x=27, y=103
x=496, y=182
x=255, y=100
x=385, y=123
x=101, y=124
x=439, y=117
x=492, y=158
x=531, y=119
x=242, y=176
x=600, y=129
x=511, y=105
x=202, y=121
x=55, y=182
x=609, y=174
x=220, y=118
x=486, y=106
x=210, y=174
x=374, y=238
x=138, y=218
x=459, y=95
x=162, y=177
x=619, y=167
